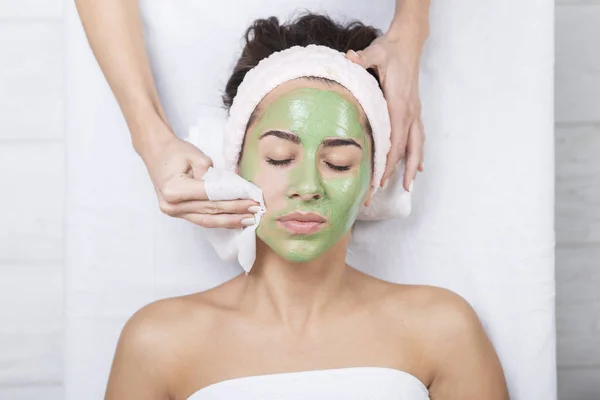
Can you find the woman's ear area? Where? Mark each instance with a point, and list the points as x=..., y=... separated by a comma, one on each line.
x=249, y=127
x=240, y=155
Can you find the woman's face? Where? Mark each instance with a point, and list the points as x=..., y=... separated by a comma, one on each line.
x=308, y=151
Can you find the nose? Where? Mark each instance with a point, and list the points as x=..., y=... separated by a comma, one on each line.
x=305, y=182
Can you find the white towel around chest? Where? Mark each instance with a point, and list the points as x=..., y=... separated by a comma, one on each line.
x=357, y=383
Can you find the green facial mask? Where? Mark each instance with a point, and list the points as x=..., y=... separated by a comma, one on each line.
x=313, y=115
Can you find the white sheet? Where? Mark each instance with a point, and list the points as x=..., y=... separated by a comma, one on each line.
x=482, y=220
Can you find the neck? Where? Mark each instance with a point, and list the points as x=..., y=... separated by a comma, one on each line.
x=296, y=294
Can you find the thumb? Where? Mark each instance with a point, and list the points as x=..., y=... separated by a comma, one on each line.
x=365, y=58
x=199, y=164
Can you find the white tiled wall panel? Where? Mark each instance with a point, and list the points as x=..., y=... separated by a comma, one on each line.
x=578, y=306
x=32, y=184
x=577, y=2
x=37, y=392
x=31, y=79
x=578, y=198
x=32, y=190
x=578, y=183
x=21, y=9
x=31, y=300
x=578, y=62
x=32, y=330
x=579, y=384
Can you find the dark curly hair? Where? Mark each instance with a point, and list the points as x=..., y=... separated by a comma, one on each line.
x=267, y=36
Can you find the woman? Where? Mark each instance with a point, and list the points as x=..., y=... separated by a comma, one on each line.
x=303, y=323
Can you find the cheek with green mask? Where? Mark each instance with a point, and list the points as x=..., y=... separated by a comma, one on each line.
x=312, y=185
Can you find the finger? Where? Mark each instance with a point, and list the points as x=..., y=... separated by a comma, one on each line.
x=367, y=58
x=182, y=188
x=413, y=158
x=392, y=159
x=399, y=139
x=423, y=136
x=209, y=207
x=219, y=220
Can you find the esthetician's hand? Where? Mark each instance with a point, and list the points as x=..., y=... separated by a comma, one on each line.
x=175, y=167
x=396, y=57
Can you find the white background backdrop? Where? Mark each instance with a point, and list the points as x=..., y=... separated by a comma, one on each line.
x=32, y=186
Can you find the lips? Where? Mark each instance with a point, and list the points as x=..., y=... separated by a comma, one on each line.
x=302, y=223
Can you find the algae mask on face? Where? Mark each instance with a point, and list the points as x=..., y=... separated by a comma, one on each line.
x=300, y=152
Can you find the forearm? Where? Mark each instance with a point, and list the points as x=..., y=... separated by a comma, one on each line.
x=114, y=31
x=411, y=17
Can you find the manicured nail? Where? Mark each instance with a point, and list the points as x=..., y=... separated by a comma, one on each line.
x=412, y=184
x=355, y=54
x=254, y=209
x=248, y=221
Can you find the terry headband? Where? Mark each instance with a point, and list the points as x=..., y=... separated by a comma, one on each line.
x=315, y=61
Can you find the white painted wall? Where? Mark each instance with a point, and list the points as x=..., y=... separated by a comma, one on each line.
x=32, y=188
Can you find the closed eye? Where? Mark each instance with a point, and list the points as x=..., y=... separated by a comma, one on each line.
x=279, y=162
x=338, y=167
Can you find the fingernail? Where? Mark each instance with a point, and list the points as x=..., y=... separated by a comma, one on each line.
x=254, y=209
x=248, y=221
x=384, y=182
x=412, y=184
x=355, y=54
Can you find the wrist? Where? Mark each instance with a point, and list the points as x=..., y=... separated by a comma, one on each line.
x=408, y=29
x=408, y=37
x=149, y=133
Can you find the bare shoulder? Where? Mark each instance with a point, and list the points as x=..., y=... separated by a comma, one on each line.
x=165, y=318
x=172, y=317
x=162, y=326
x=150, y=349
x=444, y=308
x=463, y=361
x=446, y=317
x=440, y=306
x=419, y=308
x=436, y=314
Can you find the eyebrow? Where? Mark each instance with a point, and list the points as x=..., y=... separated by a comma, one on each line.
x=340, y=142
x=282, y=135
x=337, y=142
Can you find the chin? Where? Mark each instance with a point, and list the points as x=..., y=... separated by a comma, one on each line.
x=299, y=250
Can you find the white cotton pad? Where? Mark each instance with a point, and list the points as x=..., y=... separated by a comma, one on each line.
x=222, y=184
